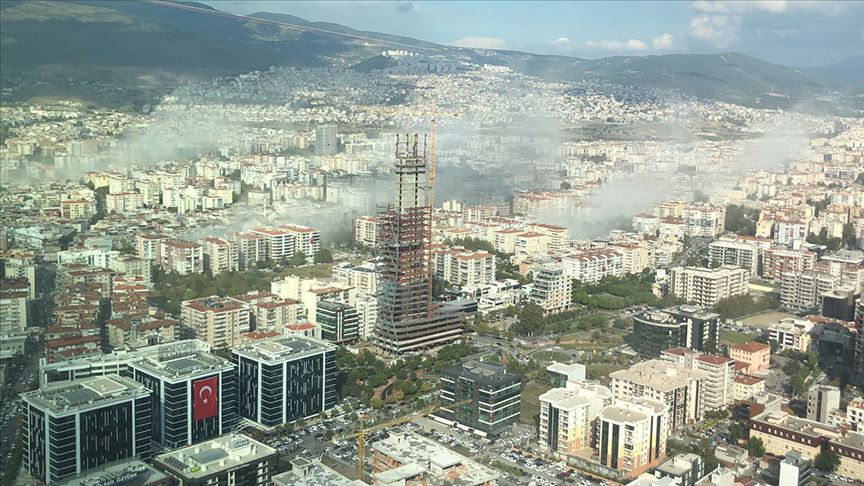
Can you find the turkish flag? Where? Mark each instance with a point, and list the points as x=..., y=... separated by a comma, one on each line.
x=206, y=393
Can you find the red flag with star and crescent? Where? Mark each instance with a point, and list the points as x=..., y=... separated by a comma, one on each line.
x=206, y=393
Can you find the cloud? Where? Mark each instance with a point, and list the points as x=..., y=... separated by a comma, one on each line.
x=478, y=42
x=610, y=45
x=715, y=7
x=406, y=7
x=562, y=40
x=720, y=30
x=662, y=42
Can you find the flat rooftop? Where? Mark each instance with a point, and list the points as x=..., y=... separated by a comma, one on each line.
x=305, y=472
x=181, y=359
x=488, y=374
x=216, y=455
x=125, y=473
x=412, y=448
x=283, y=348
x=802, y=426
x=86, y=393
x=679, y=465
x=658, y=374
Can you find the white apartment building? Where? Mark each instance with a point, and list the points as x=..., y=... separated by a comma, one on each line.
x=551, y=289
x=13, y=305
x=366, y=231
x=631, y=435
x=792, y=334
x=462, y=267
x=634, y=256
x=719, y=385
x=149, y=247
x=590, y=266
x=367, y=311
x=739, y=251
x=708, y=286
x=679, y=388
x=787, y=232
x=568, y=414
x=363, y=277
x=802, y=291
x=123, y=202
x=704, y=220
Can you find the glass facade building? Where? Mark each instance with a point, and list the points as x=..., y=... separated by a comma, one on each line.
x=685, y=326
x=480, y=396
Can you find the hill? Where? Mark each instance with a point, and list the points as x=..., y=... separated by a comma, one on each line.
x=148, y=47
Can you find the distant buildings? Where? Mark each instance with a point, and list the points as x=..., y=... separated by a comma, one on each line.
x=231, y=459
x=492, y=394
x=326, y=142
x=88, y=423
x=708, y=286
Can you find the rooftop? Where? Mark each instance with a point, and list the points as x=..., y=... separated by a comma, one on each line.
x=751, y=346
x=410, y=448
x=802, y=426
x=86, y=393
x=305, y=472
x=211, y=457
x=283, y=348
x=180, y=359
x=482, y=373
x=658, y=374
x=125, y=473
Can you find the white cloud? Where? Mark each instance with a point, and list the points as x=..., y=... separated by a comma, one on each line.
x=609, y=45
x=478, y=42
x=720, y=30
x=662, y=42
x=716, y=7
x=562, y=40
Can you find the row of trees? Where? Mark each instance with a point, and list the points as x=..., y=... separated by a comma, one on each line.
x=744, y=305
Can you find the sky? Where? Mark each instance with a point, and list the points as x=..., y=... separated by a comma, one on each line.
x=793, y=33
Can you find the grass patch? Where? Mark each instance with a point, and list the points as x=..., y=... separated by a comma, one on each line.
x=735, y=337
x=321, y=270
x=531, y=392
x=549, y=356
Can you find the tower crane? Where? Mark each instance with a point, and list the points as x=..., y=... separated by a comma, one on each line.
x=433, y=124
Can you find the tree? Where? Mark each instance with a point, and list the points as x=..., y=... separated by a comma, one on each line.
x=530, y=320
x=755, y=447
x=566, y=185
x=297, y=260
x=827, y=461
x=736, y=432
x=324, y=256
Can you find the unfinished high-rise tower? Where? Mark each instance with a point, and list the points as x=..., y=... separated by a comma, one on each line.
x=408, y=320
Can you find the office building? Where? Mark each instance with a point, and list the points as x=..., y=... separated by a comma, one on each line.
x=551, y=289
x=821, y=400
x=233, y=459
x=408, y=320
x=406, y=458
x=215, y=320
x=708, y=286
x=839, y=304
x=755, y=355
x=193, y=392
x=129, y=472
x=680, y=388
x=326, y=140
x=482, y=397
x=285, y=379
x=684, y=326
x=560, y=373
x=339, y=323
x=73, y=427
x=631, y=435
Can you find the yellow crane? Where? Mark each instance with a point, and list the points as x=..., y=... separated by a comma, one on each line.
x=361, y=432
x=434, y=113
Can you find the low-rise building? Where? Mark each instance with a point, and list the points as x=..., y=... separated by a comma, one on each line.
x=755, y=355
x=234, y=459
x=792, y=334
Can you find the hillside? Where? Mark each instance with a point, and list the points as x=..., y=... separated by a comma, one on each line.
x=149, y=47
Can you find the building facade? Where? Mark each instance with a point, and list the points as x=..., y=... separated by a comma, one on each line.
x=482, y=397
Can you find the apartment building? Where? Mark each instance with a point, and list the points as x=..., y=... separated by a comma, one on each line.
x=679, y=388
x=631, y=435
x=462, y=267
x=821, y=401
x=792, y=334
x=366, y=231
x=568, y=415
x=14, y=294
x=363, y=277
x=778, y=261
x=708, y=286
x=704, y=220
x=590, y=267
x=746, y=387
x=215, y=320
x=551, y=289
x=557, y=237
x=718, y=385
x=789, y=231
x=220, y=255
x=754, y=355
x=635, y=257
x=740, y=251
x=181, y=257
x=149, y=247
x=802, y=291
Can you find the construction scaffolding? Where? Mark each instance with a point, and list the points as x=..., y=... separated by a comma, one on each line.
x=408, y=320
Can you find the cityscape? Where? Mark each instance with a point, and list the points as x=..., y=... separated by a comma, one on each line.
x=249, y=249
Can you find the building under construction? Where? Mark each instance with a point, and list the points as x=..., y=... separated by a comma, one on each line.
x=408, y=320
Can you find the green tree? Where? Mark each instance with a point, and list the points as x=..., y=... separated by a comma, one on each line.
x=530, y=320
x=323, y=256
x=826, y=461
x=297, y=260
x=736, y=432
x=755, y=447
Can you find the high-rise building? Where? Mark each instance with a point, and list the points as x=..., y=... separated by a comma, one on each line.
x=631, y=435
x=325, y=140
x=684, y=326
x=680, y=388
x=285, y=379
x=718, y=387
x=233, y=459
x=73, y=427
x=194, y=392
x=708, y=286
x=483, y=397
x=821, y=400
x=408, y=320
x=568, y=415
x=802, y=291
x=339, y=322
